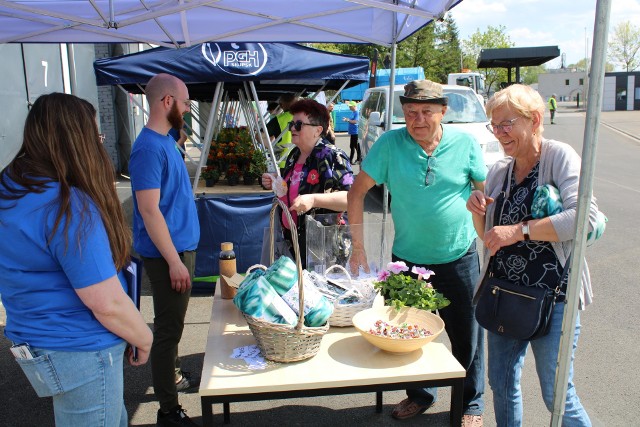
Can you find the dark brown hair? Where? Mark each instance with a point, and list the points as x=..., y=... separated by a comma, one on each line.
x=317, y=113
x=61, y=144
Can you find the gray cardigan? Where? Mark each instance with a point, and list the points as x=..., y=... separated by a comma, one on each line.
x=560, y=167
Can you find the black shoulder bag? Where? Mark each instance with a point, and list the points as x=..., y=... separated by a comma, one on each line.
x=516, y=311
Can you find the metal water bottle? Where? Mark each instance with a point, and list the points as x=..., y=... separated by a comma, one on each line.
x=227, y=267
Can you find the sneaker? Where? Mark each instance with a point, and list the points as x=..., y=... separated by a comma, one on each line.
x=472, y=421
x=188, y=383
x=177, y=417
x=408, y=409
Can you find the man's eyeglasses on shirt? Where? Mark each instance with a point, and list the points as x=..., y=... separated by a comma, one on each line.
x=505, y=126
x=298, y=125
x=431, y=175
x=186, y=102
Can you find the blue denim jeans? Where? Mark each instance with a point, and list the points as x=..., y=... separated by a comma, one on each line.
x=506, y=359
x=87, y=387
x=456, y=280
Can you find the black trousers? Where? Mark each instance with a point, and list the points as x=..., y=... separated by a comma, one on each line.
x=354, y=147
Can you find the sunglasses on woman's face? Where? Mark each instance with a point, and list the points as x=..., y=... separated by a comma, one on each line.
x=298, y=125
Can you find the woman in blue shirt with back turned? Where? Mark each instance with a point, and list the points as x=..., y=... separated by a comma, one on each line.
x=64, y=240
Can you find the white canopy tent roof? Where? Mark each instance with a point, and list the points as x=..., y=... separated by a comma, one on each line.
x=185, y=22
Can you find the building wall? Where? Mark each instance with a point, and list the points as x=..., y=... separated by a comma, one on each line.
x=621, y=91
x=567, y=84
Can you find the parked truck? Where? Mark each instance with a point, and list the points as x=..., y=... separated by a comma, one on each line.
x=471, y=79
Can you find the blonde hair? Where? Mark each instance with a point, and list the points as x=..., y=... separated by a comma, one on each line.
x=523, y=99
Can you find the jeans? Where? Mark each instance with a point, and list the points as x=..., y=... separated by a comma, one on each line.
x=457, y=280
x=506, y=359
x=170, y=308
x=87, y=386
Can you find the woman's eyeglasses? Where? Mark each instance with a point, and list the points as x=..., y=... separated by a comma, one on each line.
x=505, y=127
x=431, y=176
x=298, y=125
x=102, y=137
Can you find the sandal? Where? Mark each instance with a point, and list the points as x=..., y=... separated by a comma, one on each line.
x=472, y=420
x=408, y=409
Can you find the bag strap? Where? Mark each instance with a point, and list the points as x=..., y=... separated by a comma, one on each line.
x=560, y=287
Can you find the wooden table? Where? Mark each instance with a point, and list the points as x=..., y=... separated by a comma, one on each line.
x=345, y=364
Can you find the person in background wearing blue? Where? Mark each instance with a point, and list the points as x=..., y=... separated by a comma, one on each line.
x=64, y=240
x=352, y=130
x=166, y=232
x=430, y=170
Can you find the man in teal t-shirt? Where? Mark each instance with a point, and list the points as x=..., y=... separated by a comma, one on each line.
x=429, y=170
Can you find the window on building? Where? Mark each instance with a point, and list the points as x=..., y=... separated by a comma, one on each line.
x=581, y=82
x=566, y=82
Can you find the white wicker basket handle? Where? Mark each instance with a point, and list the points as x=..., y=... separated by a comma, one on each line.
x=255, y=266
x=338, y=267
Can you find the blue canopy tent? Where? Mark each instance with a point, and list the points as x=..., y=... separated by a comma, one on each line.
x=273, y=67
x=240, y=71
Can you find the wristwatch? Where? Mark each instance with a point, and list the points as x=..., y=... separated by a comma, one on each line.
x=525, y=230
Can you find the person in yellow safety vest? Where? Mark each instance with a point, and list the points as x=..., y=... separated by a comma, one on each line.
x=553, y=106
x=280, y=123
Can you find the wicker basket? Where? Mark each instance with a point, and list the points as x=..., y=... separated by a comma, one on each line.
x=343, y=313
x=285, y=343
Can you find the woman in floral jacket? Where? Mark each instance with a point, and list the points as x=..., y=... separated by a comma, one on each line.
x=317, y=175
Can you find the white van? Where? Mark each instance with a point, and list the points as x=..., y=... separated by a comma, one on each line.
x=464, y=111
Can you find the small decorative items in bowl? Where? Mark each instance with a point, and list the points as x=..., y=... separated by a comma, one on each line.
x=406, y=324
x=398, y=331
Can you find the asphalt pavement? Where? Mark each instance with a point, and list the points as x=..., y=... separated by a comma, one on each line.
x=19, y=405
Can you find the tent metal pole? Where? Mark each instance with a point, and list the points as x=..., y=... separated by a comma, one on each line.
x=245, y=104
x=211, y=122
x=338, y=92
x=387, y=123
x=265, y=134
x=585, y=192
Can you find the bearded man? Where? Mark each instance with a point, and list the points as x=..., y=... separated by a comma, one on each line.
x=166, y=232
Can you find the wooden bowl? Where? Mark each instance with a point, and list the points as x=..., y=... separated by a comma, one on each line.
x=366, y=319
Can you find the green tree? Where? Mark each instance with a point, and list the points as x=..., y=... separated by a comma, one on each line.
x=492, y=38
x=582, y=66
x=416, y=50
x=625, y=44
x=529, y=75
x=447, y=50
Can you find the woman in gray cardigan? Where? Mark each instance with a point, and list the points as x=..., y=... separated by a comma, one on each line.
x=527, y=251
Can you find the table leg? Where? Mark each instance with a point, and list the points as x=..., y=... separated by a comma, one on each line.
x=457, y=393
x=207, y=412
x=378, y=402
x=227, y=412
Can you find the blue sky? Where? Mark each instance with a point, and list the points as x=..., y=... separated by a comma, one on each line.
x=562, y=23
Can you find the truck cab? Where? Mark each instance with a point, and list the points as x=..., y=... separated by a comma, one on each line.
x=472, y=80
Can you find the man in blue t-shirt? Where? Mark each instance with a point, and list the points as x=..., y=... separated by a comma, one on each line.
x=429, y=170
x=166, y=232
x=352, y=130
